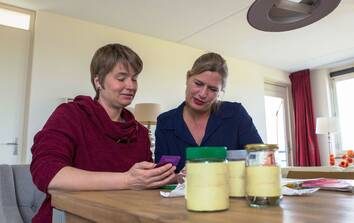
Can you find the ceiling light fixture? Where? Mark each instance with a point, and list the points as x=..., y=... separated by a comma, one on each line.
x=285, y=15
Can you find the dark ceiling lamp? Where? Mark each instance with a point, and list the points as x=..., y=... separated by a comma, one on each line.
x=284, y=15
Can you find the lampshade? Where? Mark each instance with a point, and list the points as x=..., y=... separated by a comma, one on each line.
x=146, y=113
x=325, y=125
x=285, y=15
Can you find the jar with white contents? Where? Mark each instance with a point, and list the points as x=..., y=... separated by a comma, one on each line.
x=237, y=170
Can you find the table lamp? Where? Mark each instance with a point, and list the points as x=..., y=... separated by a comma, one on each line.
x=146, y=114
x=327, y=125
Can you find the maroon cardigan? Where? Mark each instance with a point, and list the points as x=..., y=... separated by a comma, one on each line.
x=81, y=134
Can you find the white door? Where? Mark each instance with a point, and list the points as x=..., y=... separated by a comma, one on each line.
x=14, y=54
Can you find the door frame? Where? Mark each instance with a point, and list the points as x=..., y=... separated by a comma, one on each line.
x=289, y=117
x=24, y=108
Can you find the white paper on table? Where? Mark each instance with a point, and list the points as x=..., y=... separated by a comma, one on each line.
x=298, y=192
x=285, y=181
x=177, y=192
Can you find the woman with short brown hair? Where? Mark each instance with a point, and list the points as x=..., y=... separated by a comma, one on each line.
x=96, y=144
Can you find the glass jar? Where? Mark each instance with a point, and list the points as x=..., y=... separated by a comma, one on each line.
x=207, y=186
x=237, y=171
x=263, y=175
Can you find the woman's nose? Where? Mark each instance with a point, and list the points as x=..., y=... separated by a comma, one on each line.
x=130, y=83
x=203, y=92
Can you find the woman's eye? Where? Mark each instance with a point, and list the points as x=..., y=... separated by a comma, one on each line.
x=198, y=83
x=120, y=78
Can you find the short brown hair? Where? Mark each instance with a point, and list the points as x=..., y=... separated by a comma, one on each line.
x=107, y=57
x=210, y=62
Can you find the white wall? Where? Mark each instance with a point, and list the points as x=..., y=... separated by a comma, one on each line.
x=341, y=67
x=63, y=49
x=321, y=107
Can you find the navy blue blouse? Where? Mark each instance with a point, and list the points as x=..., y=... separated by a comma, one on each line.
x=229, y=126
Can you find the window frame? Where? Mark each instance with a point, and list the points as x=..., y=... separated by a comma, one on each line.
x=334, y=77
x=31, y=13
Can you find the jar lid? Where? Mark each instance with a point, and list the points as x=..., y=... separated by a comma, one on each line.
x=195, y=153
x=236, y=154
x=258, y=147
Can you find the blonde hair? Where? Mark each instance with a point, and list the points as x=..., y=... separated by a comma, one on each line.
x=210, y=62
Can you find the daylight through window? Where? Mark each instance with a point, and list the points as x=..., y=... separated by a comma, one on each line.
x=14, y=19
x=343, y=92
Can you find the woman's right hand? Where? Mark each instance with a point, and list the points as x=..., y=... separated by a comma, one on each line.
x=143, y=175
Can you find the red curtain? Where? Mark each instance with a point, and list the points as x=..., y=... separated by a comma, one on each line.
x=306, y=151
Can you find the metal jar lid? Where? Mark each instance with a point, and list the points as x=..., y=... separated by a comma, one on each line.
x=260, y=147
x=236, y=155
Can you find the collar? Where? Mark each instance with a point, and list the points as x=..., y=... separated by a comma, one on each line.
x=177, y=124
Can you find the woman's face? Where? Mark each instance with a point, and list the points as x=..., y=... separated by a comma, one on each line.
x=119, y=87
x=202, y=90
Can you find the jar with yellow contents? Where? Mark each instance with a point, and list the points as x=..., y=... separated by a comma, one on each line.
x=263, y=175
x=237, y=171
x=207, y=187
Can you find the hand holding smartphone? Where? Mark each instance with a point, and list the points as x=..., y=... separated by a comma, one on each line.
x=174, y=160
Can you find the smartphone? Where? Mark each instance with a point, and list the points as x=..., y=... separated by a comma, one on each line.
x=174, y=160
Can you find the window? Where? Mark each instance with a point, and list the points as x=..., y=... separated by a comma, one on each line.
x=16, y=18
x=277, y=121
x=343, y=92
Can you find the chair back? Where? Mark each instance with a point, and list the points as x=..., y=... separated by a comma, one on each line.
x=19, y=197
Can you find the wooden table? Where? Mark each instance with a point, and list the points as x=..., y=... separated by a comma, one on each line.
x=149, y=206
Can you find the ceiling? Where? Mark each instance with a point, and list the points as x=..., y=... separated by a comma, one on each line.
x=220, y=26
